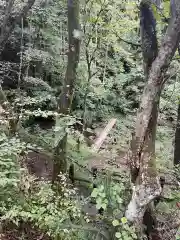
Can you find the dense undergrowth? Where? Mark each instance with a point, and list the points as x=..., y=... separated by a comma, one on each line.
x=109, y=84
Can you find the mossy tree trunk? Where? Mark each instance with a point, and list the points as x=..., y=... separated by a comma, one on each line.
x=149, y=51
x=141, y=157
x=66, y=97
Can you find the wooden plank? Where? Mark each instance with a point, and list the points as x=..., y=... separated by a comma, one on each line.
x=96, y=146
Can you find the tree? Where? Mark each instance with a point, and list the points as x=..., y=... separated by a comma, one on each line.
x=177, y=133
x=10, y=21
x=66, y=97
x=142, y=159
x=177, y=139
x=149, y=51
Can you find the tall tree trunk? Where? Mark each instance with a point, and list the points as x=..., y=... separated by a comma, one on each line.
x=142, y=159
x=149, y=51
x=177, y=133
x=148, y=35
x=66, y=97
x=177, y=139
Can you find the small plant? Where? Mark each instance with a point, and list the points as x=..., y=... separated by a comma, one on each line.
x=50, y=211
x=125, y=232
x=100, y=196
x=109, y=196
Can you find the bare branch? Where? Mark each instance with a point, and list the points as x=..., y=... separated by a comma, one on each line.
x=126, y=41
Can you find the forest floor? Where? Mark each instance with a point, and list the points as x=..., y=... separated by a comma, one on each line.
x=24, y=233
x=111, y=156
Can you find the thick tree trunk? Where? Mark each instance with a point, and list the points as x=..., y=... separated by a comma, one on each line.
x=177, y=140
x=60, y=163
x=149, y=52
x=142, y=159
x=148, y=35
x=177, y=133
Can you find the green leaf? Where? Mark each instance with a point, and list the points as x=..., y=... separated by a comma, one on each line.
x=124, y=234
x=101, y=188
x=119, y=200
x=103, y=195
x=115, y=223
x=99, y=200
x=94, y=193
x=104, y=206
x=124, y=220
x=118, y=235
x=98, y=205
x=133, y=235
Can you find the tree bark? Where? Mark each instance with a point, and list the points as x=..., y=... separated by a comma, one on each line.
x=177, y=139
x=66, y=97
x=177, y=132
x=148, y=35
x=141, y=158
x=149, y=52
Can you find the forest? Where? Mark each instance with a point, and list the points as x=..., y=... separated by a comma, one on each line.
x=89, y=120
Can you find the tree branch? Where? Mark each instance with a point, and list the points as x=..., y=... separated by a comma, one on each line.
x=126, y=41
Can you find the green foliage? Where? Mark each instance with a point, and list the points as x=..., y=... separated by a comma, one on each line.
x=24, y=199
x=10, y=149
x=124, y=230
x=48, y=211
x=109, y=196
x=110, y=80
